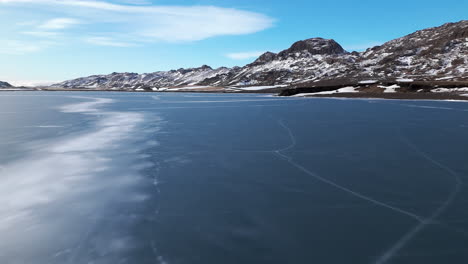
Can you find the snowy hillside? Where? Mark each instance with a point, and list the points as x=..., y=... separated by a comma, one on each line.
x=429, y=54
x=5, y=85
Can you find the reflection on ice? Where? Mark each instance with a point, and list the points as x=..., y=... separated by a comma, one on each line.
x=86, y=107
x=64, y=191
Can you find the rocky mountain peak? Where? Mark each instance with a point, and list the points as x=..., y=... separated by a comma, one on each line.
x=314, y=46
x=433, y=53
x=204, y=68
x=5, y=85
x=430, y=40
x=264, y=58
x=197, y=69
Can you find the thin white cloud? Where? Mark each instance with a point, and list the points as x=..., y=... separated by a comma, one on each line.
x=30, y=83
x=26, y=23
x=150, y=23
x=106, y=41
x=135, y=2
x=22, y=47
x=15, y=47
x=43, y=34
x=49, y=29
x=244, y=55
x=59, y=23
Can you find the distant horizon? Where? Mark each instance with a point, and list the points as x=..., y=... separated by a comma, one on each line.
x=49, y=41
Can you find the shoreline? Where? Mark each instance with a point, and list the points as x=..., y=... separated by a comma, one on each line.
x=363, y=95
x=394, y=96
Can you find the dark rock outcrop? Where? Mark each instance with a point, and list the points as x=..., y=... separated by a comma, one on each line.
x=314, y=46
x=264, y=58
x=5, y=85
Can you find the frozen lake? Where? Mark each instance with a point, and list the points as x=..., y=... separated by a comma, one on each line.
x=108, y=178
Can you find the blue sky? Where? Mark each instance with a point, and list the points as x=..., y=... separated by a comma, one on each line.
x=54, y=40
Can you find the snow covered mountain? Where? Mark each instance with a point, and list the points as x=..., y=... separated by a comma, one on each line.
x=433, y=53
x=305, y=60
x=133, y=80
x=5, y=85
x=429, y=54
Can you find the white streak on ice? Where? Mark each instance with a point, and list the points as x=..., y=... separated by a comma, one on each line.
x=86, y=107
x=45, y=126
x=65, y=183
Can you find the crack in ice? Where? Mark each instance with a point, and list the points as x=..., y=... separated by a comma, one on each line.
x=400, y=244
x=334, y=184
x=423, y=222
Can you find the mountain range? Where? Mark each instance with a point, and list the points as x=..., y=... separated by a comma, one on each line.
x=439, y=53
x=5, y=85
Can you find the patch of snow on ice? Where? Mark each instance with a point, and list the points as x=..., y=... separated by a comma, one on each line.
x=368, y=82
x=390, y=89
x=348, y=89
x=257, y=88
x=405, y=80
x=449, y=90
x=445, y=78
x=60, y=183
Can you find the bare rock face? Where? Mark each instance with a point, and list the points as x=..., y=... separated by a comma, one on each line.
x=5, y=85
x=429, y=54
x=130, y=81
x=264, y=58
x=304, y=60
x=314, y=46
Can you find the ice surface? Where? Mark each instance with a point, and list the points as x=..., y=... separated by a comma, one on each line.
x=348, y=89
x=61, y=185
